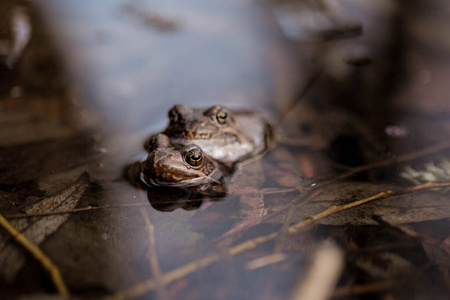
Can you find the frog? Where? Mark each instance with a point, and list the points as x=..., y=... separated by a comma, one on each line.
x=175, y=165
x=176, y=175
x=239, y=138
x=227, y=136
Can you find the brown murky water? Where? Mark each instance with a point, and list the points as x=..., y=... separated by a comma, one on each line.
x=358, y=96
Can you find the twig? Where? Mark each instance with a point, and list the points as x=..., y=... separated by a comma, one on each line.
x=272, y=191
x=38, y=254
x=309, y=197
x=383, y=247
x=265, y=261
x=148, y=285
x=283, y=232
x=409, y=232
x=145, y=203
x=339, y=207
x=69, y=211
x=152, y=255
x=402, y=158
x=305, y=90
x=363, y=289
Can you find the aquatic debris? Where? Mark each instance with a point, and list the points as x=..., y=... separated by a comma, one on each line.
x=142, y=288
x=432, y=172
x=38, y=228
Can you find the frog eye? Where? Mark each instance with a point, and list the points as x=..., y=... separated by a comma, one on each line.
x=222, y=117
x=194, y=156
x=173, y=115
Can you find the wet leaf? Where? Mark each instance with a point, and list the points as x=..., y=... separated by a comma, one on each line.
x=37, y=229
x=407, y=208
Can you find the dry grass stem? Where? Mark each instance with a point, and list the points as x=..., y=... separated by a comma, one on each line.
x=148, y=285
x=152, y=255
x=362, y=289
x=265, y=261
x=401, y=158
x=38, y=254
x=69, y=211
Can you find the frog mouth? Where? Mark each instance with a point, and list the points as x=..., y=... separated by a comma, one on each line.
x=213, y=177
x=224, y=139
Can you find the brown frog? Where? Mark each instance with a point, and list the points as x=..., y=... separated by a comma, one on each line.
x=226, y=136
x=174, y=165
x=177, y=176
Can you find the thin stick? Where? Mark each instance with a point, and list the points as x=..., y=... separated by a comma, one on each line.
x=308, y=86
x=81, y=209
x=362, y=289
x=402, y=158
x=148, y=285
x=69, y=211
x=337, y=208
x=405, y=157
x=39, y=255
x=151, y=254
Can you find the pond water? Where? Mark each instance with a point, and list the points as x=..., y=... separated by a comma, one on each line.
x=357, y=96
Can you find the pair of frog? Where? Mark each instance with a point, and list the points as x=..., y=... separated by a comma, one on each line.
x=200, y=147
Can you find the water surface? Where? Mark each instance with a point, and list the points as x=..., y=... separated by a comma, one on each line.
x=125, y=63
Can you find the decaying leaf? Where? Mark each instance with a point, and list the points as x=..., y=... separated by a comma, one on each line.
x=37, y=229
x=251, y=211
x=400, y=209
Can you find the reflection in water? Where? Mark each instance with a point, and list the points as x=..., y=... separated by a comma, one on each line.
x=177, y=170
x=177, y=176
x=259, y=239
x=175, y=173
x=184, y=166
x=169, y=198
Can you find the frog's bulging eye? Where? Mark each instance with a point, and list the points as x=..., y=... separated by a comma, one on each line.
x=173, y=115
x=193, y=157
x=222, y=117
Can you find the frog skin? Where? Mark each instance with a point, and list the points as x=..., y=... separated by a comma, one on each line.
x=226, y=136
x=174, y=165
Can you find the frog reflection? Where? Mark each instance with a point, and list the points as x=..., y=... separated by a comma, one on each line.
x=226, y=136
x=169, y=198
x=177, y=173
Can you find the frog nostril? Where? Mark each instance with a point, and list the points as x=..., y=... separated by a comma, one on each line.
x=174, y=115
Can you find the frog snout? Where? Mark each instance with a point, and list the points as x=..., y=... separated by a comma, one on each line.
x=200, y=131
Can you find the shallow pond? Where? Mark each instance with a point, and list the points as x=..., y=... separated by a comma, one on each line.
x=357, y=97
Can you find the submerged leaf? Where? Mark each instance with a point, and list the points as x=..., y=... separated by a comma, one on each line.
x=38, y=228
